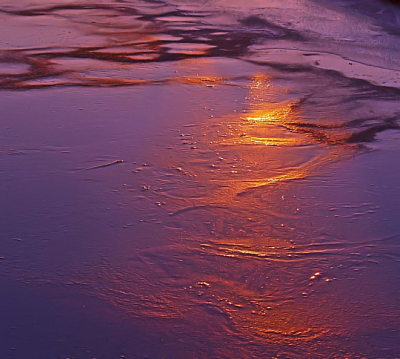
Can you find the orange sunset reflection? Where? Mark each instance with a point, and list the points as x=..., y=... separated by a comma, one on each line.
x=200, y=179
x=236, y=262
x=258, y=147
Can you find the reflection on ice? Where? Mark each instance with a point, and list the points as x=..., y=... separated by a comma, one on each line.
x=242, y=260
x=227, y=212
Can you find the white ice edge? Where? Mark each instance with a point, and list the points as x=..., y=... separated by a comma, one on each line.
x=377, y=75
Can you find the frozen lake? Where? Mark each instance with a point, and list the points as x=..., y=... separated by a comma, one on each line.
x=199, y=179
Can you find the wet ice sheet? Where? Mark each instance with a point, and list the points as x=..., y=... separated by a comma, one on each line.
x=228, y=191
x=119, y=37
